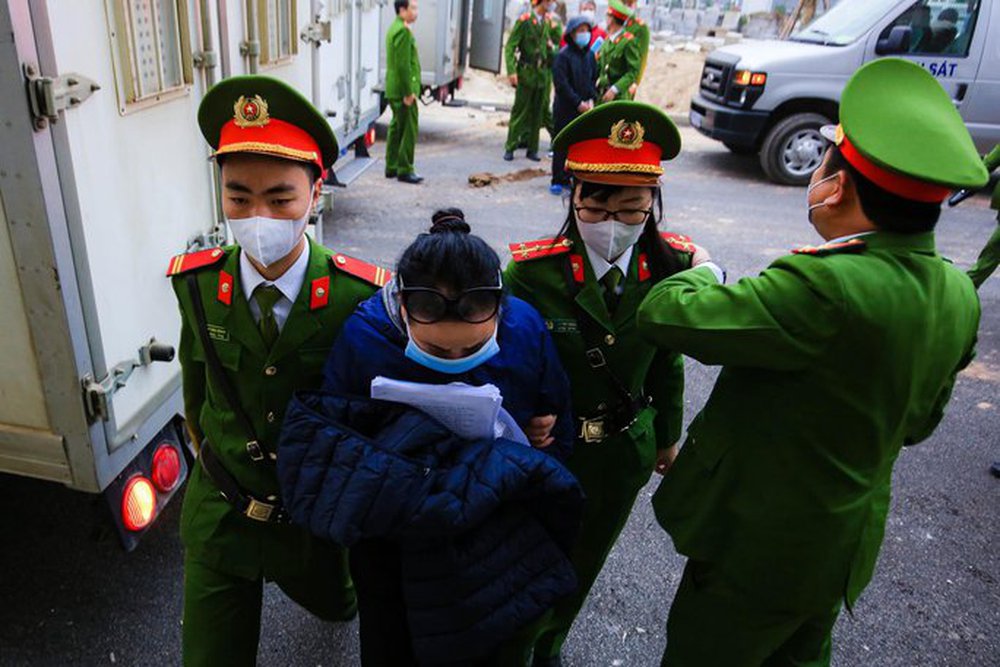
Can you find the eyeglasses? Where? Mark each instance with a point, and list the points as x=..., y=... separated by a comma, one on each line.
x=425, y=305
x=630, y=216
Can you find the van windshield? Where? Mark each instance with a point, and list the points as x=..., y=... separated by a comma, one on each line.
x=845, y=22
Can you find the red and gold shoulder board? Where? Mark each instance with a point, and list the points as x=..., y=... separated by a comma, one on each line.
x=194, y=260
x=849, y=246
x=678, y=241
x=629, y=35
x=370, y=273
x=527, y=250
x=525, y=16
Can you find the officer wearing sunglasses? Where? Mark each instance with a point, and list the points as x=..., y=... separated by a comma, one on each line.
x=444, y=318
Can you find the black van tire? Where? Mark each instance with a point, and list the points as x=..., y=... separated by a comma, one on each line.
x=794, y=148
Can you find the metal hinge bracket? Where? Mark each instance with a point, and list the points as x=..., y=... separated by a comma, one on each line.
x=97, y=393
x=317, y=32
x=48, y=96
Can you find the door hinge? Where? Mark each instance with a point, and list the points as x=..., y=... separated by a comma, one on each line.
x=316, y=32
x=98, y=393
x=48, y=96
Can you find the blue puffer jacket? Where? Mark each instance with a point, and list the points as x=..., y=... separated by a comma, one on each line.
x=484, y=527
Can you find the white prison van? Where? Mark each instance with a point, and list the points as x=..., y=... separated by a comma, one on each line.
x=103, y=178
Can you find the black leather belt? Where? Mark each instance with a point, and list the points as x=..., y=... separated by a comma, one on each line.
x=269, y=510
x=601, y=427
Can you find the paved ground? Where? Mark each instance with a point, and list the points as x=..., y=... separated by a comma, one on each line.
x=69, y=596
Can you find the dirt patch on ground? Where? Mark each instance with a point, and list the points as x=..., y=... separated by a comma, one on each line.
x=484, y=179
x=671, y=79
x=980, y=371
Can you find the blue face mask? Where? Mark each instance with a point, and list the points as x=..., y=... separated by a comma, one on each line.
x=452, y=366
x=582, y=39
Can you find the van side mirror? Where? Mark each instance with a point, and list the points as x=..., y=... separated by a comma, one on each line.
x=898, y=41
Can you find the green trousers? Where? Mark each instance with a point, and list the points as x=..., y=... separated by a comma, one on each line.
x=988, y=260
x=526, y=116
x=711, y=625
x=222, y=610
x=611, y=478
x=401, y=141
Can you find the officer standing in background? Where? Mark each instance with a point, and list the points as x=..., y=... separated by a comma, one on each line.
x=258, y=321
x=640, y=30
x=402, y=88
x=554, y=35
x=833, y=359
x=529, y=53
x=619, y=60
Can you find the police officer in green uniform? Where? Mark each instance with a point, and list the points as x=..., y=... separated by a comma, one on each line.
x=529, y=53
x=258, y=321
x=587, y=283
x=989, y=257
x=620, y=60
x=402, y=88
x=638, y=28
x=553, y=34
x=833, y=359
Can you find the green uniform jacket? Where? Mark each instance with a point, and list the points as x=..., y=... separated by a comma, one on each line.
x=402, y=63
x=620, y=63
x=531, y=47
x=211, y=529
x=641, y=367
x=831, y=363
x=640, y=31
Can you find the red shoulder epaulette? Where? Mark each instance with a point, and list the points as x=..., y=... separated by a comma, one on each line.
x=540, y=248
x=370, y=273
x=194, y=260
x=629, y=35
x=851, y=245
x=678, y=241
x=525, y=16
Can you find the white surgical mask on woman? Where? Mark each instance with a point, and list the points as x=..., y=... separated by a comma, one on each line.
x=610, y=238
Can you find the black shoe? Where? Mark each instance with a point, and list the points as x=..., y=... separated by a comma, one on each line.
x=410, y=178
x=509, y=156
x=550, y=661
x=390, y=174
x=995, y=469
x=533, y=156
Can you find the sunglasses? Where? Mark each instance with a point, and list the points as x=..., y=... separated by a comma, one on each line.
x=425, y=305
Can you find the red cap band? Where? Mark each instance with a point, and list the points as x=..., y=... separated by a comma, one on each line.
x=902, y=186
x=276, y=138
x=598, y=155
x=618, y=15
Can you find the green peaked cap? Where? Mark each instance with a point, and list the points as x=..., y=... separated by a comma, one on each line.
x=283, y=103
x=621, y=8
x=597, y=124
x=898, y=116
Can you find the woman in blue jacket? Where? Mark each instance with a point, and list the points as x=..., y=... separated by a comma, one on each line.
x=445, y=319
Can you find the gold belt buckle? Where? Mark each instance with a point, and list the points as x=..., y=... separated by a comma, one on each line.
x=259, y=511
x=592, y=430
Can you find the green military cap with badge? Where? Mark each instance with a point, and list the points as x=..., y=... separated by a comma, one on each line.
x=619, y=143
x=900, y=130
x=620, y=10
x=260, y=114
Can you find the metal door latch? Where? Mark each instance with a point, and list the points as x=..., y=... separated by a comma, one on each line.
x=316, y=32
x=48, y=96
x=97, y=393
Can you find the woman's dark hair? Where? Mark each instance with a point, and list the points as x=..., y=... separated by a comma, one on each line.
x=663, y=261
x=449, y=256
x=889, y=212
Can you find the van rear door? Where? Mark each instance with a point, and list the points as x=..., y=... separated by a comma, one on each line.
x=947, y=40
x=487, y=35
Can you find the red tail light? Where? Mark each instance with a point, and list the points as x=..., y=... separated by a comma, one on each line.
x=166, y=468
x=138, y=503
x=370, y=137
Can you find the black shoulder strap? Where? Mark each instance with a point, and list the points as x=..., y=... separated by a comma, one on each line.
x=222, y=381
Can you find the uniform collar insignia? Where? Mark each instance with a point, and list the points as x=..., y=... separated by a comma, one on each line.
x=251, y=112
x=628, y=135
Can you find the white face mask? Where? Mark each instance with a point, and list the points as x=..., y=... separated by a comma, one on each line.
x=268, y=240
x=610, y=238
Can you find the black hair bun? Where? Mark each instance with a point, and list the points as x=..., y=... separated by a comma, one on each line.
x=449, y=220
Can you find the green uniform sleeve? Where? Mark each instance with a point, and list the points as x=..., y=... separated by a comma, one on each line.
x=192, y=380
x=779, y=320
x=988, y=260
x=643, y=37
x=937, y=412
x=513, y=42
x=665, y=384
x=401, y=50
x=634, y=61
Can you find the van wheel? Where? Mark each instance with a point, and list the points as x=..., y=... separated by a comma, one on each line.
x=737, y=149
x=794, y=148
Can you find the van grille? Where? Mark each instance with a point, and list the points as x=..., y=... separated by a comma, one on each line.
x=715, y=79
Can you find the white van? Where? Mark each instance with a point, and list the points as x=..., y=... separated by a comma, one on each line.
x=771, y=97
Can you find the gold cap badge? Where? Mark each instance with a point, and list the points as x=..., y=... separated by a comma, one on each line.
x=251, y=112
x=627, y=135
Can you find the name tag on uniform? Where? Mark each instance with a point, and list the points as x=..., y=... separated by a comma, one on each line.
x=562, y=326
x=215, y=332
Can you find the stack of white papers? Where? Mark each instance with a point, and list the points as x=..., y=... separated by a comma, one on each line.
x=469, y=412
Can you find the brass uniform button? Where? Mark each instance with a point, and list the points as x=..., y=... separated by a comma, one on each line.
x=270, y=417
x=609, y=339
x=270, y=371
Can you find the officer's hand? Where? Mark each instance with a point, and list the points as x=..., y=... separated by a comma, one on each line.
x=700, y=256
x=513, y=80
x=609, y=96
x=631, y=89
x=409, y=100
x=665, y=459
x=539, y=430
